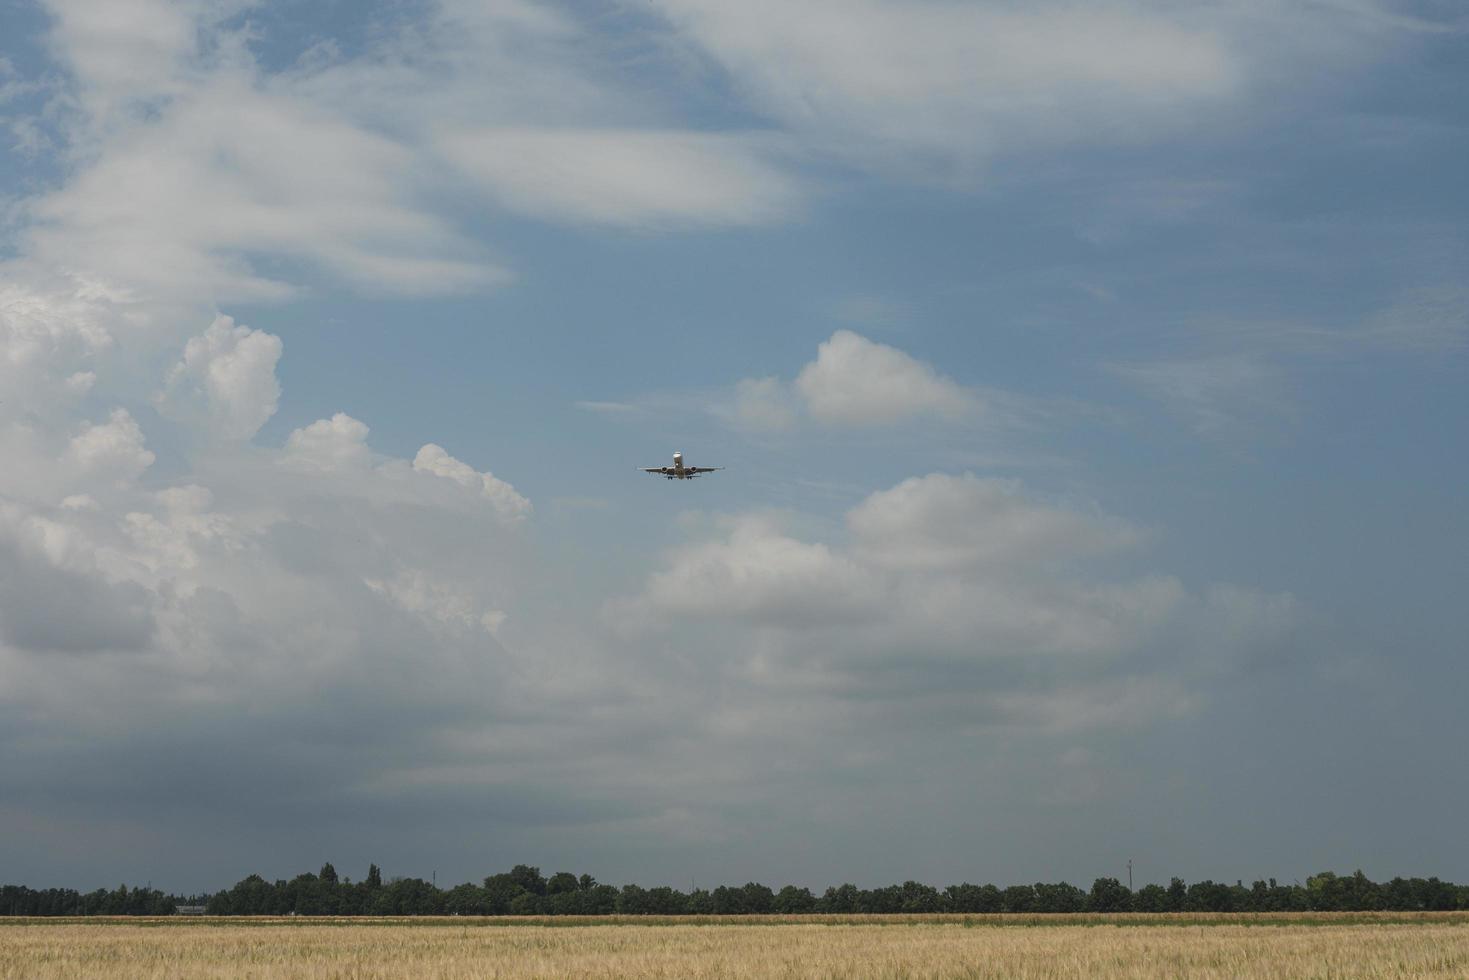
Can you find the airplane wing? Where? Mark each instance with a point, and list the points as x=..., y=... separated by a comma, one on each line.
x=654, y=469
x=696, y=470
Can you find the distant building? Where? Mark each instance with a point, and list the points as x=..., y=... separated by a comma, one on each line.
x=188, y=910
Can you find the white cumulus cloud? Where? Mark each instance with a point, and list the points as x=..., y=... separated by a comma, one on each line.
x=856, y=381
x=227, y=377
x=337, y=443
x=959, y=585
x=434, y=459
x=113, y=449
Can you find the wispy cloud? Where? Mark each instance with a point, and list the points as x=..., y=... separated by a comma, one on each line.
x=1222, y=396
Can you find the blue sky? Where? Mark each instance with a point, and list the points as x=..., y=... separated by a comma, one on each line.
x=1091, y=382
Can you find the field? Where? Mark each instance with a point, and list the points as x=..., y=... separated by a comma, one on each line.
x=1214, y=946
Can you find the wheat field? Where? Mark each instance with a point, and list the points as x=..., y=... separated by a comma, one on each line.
x=1139, y=948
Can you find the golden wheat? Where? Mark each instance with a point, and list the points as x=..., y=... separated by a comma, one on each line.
x=892, y=948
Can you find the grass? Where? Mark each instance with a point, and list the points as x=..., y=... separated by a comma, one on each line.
x=1421, y=945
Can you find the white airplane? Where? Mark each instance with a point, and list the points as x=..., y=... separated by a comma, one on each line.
x=678, y=471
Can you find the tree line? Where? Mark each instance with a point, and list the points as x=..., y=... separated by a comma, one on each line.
x=523, y=890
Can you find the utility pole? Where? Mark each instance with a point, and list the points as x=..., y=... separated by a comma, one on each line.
x=1129, y=874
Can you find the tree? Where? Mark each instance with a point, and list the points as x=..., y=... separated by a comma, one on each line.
x=633, y=900
x=1210, y=896
x=374, y=877
x=974, y=898
x=526, y=904
x=914, y=896
x=528, y=878
x=883, y=901
x=562, y=881
x=599, y=900
x=843, y=898
x=465, y=899
x=759, y=900
x=1019, y=898
x=500, y=891
x=1060, y=897
x=1109, y=895
x=791, y=900
x=328, y=874
x=664, y=900
x=725, y=900
x=1151, y=898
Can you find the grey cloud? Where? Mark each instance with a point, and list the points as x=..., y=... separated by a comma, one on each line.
x=974, y=586
x=46, y=608
x=1222, y=396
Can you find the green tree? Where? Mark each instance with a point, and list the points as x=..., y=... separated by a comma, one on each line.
x=728, y=901
x=1019, y=898
x=791, y=900
x=664, y=900
x=465, y=899
x=1210, y=896
x=974, y=898
x=1060, y=897
x=529, y=878
x=1109, y=895
x=759, y=900
x=633, y=900
x=914, y=896
x=840, y=899
x=526, y=904
x=1151, y=898
x=561, y=881
x=500, y=891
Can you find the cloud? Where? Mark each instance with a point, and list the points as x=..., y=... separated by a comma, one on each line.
x=914, y=81
x=852, y=383
x=1426, y=320
x=322, y=634
x=233, y=167
x=932, y=89
x=195, y=163
x=950, y=523
x=855, y=381
x=113, y=449
x=227, y=377
x=1251, y=388
x=509, y=504
x=757, y=574
x=49, y=335
x=53, y=596
x=975, y=574
x=765, y=404
x=313, y=593
x=636, y=178
x=337, y=443
x=607, y=408
x=128, y=54
x=1220, y=395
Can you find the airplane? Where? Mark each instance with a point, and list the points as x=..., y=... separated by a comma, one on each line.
x=678, y=471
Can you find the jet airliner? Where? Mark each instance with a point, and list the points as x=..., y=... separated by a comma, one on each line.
x=678, y=471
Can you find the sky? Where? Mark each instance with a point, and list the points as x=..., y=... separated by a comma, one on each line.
x=1090, y=381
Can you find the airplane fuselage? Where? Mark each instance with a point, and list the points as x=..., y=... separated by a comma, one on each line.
x=678, y=471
